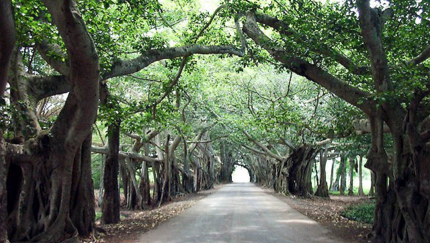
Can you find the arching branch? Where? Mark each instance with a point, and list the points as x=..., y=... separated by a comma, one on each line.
x=125, y=67
x=52, y=54
x=284, y=29
x=303, y=68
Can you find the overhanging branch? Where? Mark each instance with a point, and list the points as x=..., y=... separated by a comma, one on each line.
x=125, y=67
x=350, y=94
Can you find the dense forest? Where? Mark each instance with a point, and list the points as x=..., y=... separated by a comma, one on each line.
x=157, y=98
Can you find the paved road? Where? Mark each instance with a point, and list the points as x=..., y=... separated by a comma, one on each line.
x=240, y=212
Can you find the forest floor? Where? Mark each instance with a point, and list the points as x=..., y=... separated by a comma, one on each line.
x=327, y=212
x=136, y=222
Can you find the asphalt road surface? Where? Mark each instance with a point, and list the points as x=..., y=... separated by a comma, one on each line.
x=240, y=212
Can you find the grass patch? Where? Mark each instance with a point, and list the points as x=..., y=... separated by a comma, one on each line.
x=98, y=215
x=362, y=212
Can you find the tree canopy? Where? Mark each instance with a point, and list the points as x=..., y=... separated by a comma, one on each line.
x=186, y=90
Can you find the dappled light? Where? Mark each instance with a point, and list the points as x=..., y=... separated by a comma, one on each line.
x=114, y=108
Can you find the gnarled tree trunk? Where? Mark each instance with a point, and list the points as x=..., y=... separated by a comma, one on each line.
x=351, y=176
x=111, y=201
x=53, y=168
x=292, y=174
x=360, y=176
x=322, y=190
x=342, y=171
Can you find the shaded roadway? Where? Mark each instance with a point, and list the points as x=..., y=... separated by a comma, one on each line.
x=240, y=212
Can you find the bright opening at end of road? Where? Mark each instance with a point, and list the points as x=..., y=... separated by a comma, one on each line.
x=240, y=174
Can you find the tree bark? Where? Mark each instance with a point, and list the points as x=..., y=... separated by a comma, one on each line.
x=351, y=176
x=291, y=174
x=3, y=192
x=332, y=174
x=360, y=176
x=7, y=41
x=342, y=171
x=322, y=190
x=226, y=171
x=82, y=210
x=372, y=184
x=111, y=200
x=145, y=185
x=102, y=176
x=50, y=181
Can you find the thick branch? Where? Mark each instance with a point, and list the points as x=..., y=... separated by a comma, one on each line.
x=125, y=67
x=174, y=144
x=323, y=142
x=122, y=155
x=312, y=72
x=82, y=101
x=288, y=143
x=45, y=86
x=264, y=148
x=60, y=84
x=52, y=54
x=255, y=150
x=284, y=29
x=147, y=137
x=371, y=28
x=421, y=57
x=363, y=126
x=7, y=41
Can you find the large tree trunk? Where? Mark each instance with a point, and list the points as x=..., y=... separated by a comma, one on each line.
x=351, y=176
x=312, y=166
x=360, y=176
x=3, y=192
x=25, y=122
x=53, y=168
x=7, y=41
x=111, y=200
x=157, y=184
x=145, y=186
x=342, y=171
x=402, y=207
x=135, y=199
x=322, y=190
x=187, y=179
x=82, y=210
x=292, y=174
x=332, y=174
x=372, y=184
x=225, y=175
x=101, y=186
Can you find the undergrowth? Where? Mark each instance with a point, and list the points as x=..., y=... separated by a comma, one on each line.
x=362, y=212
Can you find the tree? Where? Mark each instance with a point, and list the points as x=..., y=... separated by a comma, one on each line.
x=352, y=164
x=360, y=176
x=322, y=190
x=63, y=152
x=373, y=61
x=7, y=40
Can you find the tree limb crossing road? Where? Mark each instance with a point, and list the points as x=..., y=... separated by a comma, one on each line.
x=240, y=212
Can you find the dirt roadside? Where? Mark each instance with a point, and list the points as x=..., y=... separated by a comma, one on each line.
x=327, y=213
x=135, y=223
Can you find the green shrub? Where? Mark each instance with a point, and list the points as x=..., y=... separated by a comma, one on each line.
x=98, y=215
x=362, y=212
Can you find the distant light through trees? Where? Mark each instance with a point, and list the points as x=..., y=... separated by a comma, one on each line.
x=240, y=174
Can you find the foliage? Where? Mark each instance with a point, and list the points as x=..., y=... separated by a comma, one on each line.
x=362, y=212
